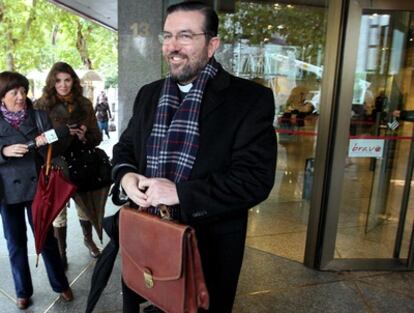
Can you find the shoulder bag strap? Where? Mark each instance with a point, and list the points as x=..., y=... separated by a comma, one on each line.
x=39, y=122
x=41, y=128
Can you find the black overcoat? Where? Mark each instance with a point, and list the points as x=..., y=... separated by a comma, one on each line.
x=18, y=176
x=234, y=170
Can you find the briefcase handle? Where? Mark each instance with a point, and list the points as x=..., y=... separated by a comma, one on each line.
x=164, y=210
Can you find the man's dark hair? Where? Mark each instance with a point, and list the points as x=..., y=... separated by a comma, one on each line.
x=210, y=16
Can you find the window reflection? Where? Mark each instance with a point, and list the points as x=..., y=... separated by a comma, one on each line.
x=281, y=44
x=282, y=47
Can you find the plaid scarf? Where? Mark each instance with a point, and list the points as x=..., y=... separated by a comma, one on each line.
x=173, y=143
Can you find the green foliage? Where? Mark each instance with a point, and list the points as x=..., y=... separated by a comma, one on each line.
x=37, y=33
x=260, y=23
x=111, y=81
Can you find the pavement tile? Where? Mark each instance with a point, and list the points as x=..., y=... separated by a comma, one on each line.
x=336, y=297
x=264, y=271
x=385, y=300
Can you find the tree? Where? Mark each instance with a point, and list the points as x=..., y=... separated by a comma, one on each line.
x=82, y=46
x=37, y=34
x=14, y=38
x=260, y=23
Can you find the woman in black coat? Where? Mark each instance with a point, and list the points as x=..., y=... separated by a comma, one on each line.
x=62, y=99
x=19, y=168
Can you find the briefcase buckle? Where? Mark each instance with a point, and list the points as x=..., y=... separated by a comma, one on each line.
x=149, y=282
x=165, y=212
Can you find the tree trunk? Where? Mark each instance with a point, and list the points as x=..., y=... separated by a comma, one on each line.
x=55, y=32
x=2, y=9
x=30, y=19
x=82, y=47
x=13, y=39
x=10, y=62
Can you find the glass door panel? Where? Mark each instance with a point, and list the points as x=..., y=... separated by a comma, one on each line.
x=375, y=217
x=281, y=46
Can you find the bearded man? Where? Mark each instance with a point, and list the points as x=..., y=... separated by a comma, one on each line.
x=200, y=141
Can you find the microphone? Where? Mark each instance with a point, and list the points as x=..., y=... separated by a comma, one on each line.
x=51, y=135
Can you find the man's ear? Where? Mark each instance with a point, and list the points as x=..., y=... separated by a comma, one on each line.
x=213, y=45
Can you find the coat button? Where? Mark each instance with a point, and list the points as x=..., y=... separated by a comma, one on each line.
x=33, y=179
x=17, y=181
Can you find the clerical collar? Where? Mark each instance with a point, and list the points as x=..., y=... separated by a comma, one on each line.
x=185, y=88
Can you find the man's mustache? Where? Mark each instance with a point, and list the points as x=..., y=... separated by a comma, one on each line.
x=176, y=54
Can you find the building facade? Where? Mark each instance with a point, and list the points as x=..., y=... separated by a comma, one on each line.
x=338, y=69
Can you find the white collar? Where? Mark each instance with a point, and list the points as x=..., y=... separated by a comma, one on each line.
x=185, y=88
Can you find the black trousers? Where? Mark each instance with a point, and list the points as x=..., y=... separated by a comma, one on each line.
x=131, y=300
x=221, y=256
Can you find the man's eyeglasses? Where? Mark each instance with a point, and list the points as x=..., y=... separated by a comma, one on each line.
x=183, y=38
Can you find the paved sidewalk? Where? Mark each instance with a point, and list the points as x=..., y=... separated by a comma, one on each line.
x=268, y=284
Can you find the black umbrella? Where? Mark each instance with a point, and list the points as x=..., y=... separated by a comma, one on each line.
x=105, y=263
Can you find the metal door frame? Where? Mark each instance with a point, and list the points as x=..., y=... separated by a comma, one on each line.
x=344, y=17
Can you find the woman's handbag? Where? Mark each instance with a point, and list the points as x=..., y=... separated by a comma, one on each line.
x=161, y=262
x=112, y=127
x=89, y=169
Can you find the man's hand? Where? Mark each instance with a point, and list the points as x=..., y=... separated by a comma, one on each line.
x=130, y=184
x=159, y=191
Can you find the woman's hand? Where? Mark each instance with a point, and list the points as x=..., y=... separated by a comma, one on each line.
x=80, y=132
x=15, y=151
x=41, y=140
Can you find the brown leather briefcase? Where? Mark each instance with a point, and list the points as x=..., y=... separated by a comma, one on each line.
x=161, y=262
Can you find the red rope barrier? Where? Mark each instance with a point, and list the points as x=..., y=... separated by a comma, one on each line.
x=312, y=133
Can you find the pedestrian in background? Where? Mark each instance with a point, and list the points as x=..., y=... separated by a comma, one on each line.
x=103, y=113
x=404, y=115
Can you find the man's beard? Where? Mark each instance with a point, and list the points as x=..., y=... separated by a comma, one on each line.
x=189, y=72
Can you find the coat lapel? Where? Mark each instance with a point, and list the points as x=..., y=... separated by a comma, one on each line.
x=28, y=126
x=5, y=128
x=25, y=128
x=214, y=94
x=150, y=114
